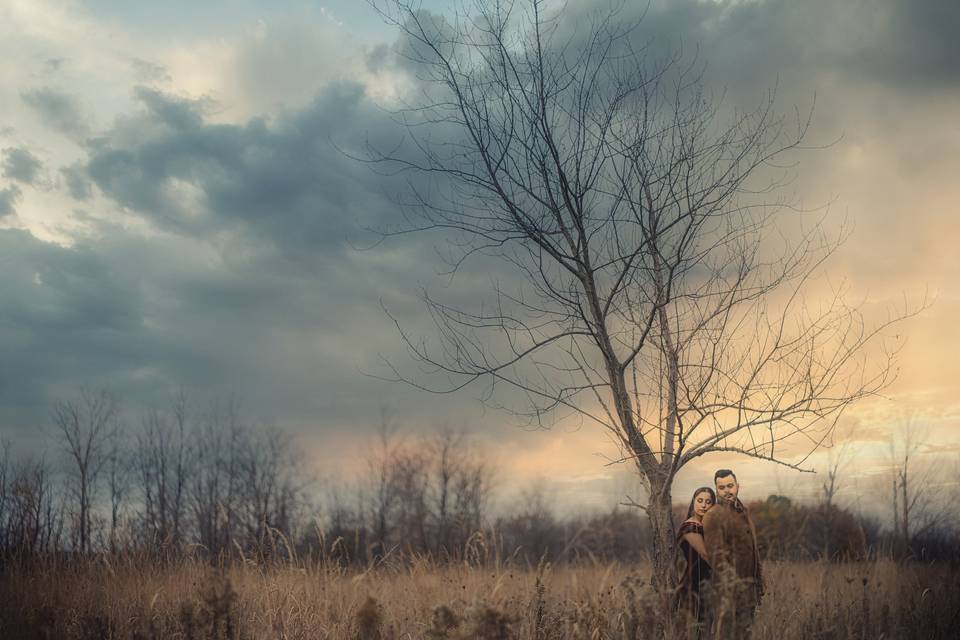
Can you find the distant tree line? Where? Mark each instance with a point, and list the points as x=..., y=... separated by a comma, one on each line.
x=204, y=481
x=210, y=483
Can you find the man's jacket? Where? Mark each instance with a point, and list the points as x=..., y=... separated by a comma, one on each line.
x=731, y=540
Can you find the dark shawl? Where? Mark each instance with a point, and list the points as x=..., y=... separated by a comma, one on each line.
x=692, y=570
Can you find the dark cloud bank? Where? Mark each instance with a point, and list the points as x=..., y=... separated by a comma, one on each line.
x=247, y=283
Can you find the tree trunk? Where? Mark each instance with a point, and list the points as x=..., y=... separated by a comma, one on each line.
x=662, y=574
x=896, y=518
x=905, y=521
x=660, y=512
x=84, y=512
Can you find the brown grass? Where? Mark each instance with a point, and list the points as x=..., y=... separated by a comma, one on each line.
x=417, y=599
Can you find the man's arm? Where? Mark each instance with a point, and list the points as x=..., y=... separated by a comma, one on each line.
x=714, y=533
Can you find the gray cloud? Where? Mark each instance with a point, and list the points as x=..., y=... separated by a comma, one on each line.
x=750, y=45
x=143, y=317
x=151, y=72
x=919, y=46
x=66, y=327
x=19, y=164
x=245, y=282
x=58, y=110
x=8, y=198
x=77, y=181
x=284, y=182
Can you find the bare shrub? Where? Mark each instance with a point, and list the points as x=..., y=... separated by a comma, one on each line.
x=369, y=620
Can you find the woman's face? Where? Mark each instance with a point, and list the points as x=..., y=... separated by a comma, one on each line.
x=701, y=503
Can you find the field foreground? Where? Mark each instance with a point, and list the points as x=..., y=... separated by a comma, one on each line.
x=879, y=599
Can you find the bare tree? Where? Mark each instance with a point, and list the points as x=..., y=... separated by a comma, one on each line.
x=381, y=494
x=344, y=509
x=837, y=462
x=85, y=426
x=244, y=483
x=533, y=529
x=650, y=286
x=273, y=490
x=163, y=465
x=472, y=492
x=838, y=458
x=216, y=485
x=424, y=494
x=118, y=471
x=445, y=449
x=920, y=503
x=410, y=477
x=30, y=515
x=458, y=489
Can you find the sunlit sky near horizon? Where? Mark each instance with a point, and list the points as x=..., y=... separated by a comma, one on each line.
x=174, y=213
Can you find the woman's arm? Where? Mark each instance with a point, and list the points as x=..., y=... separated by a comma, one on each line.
x=695, y=540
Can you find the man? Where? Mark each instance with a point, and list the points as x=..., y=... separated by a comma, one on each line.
x=731, y=543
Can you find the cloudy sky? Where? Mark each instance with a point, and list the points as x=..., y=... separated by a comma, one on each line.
x=176, y=212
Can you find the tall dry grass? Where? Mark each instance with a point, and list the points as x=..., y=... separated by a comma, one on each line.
x=415, y=598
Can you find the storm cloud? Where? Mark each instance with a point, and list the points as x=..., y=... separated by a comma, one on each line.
x=285, y=183
x=247, y=281
x=57, y=109
x=77, y=182
x=21, y=165
x=749, y=43
x=8, y=200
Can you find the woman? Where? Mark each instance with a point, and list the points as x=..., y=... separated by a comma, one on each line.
x=693, y=567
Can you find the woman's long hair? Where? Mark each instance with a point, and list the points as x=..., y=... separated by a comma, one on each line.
x=713, y=498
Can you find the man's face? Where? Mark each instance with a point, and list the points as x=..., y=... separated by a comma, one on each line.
x=727, y=488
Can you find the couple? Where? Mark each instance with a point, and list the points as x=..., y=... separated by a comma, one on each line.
x=719, y=565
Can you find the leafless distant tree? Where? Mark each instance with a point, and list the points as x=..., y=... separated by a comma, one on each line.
x=459, y=485
x=441, y=488
x=273, y=487
x=118, y=472
x=445, y=450
x=212, y=478
x=839, y=457
x=533, y=530
x=245, y=484
x=163, y=466
x=215, y=487
x=381, y=492
x=409, y=477
x=920, y=502
x=85, y=426
x=650, y=285
x=832, y=483
x=30, y=512
x=426, y=494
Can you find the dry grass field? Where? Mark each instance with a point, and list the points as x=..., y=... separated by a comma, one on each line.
x=131, y=599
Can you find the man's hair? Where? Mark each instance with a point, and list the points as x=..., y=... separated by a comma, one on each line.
x=723, y=473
